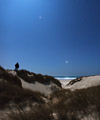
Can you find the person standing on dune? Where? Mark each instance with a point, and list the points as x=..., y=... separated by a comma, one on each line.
x=16, y=66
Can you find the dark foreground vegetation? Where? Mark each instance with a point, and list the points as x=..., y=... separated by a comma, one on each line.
x=66, y=105
x=5, y=77
x=78, y=103
x=11, y=94
x=39, y=113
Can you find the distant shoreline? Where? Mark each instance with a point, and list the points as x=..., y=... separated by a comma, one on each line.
x=66, y=77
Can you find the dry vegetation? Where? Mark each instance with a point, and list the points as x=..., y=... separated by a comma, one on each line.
x=67, y=105
x=44, y=79
x=39, y=113
x=5, y=77
x=76, y=103
x=18, y=96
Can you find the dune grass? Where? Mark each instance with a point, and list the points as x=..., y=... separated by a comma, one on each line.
x=14, y=94
x=44, y=79
x=69, y=105
x=9, y=78
x=39, y=113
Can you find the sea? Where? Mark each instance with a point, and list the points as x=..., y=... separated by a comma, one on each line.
x=66, y=77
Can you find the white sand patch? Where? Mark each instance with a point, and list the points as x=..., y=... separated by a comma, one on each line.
x=85, y=83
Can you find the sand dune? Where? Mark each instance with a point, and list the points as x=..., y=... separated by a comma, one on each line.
x=85, y=82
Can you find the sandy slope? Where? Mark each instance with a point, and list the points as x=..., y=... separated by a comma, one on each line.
x=84, y=83
x=43, y=88
x=46, y=89
x=64, y=82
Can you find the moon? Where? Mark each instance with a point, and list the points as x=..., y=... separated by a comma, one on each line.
x=67, y=61
x=40, y=17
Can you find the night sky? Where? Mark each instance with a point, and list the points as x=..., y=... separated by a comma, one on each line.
x=55, y=37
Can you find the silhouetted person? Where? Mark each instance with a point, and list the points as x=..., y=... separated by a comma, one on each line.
x=16, y=66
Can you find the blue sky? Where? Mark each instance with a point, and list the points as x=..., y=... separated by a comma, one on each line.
x=43, y=34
